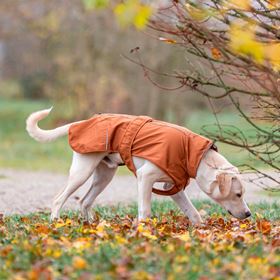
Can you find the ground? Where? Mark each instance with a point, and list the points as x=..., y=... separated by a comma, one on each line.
x=117, y=246
x=23, y=192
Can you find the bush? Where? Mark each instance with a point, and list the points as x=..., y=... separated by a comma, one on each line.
x=11, y=89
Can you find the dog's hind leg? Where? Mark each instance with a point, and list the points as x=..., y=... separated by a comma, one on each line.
x=82, y=167
x=102, y=176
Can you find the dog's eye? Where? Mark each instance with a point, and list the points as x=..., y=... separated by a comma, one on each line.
x=238, y=195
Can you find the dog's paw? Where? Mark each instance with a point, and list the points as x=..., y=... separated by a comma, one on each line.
x=196, y=220
x=87, y=216
x=90, y=219
x=53, y=217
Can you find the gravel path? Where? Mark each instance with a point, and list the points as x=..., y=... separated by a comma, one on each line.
x=24, y=191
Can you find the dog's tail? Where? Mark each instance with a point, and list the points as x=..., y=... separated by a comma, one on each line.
x=44, y=135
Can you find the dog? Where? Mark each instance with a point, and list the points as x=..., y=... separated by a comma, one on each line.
x=215, y=176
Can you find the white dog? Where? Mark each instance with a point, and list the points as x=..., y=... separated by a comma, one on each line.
x=216, y=177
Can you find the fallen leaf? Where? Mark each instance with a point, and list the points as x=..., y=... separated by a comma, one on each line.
x=264, y=226
x=79, y=263
x=276, y=242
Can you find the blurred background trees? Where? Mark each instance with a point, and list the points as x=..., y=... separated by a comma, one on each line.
x=211, y=65
x=62, y=51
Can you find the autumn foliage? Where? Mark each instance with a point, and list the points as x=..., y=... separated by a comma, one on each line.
x=164, y=247
x=233, y=60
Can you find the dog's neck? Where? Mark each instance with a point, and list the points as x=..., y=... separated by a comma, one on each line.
x=210, y=166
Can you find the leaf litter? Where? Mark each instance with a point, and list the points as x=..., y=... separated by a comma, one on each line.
x=165, y=247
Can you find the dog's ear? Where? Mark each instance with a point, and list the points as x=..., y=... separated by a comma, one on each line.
x=225, y=183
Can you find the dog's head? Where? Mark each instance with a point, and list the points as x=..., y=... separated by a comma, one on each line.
x=228, y=191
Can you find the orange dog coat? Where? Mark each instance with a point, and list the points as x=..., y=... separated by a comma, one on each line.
x=174, y=149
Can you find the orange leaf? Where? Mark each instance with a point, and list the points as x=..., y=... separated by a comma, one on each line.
x=167, y=40
x=264, y=226
x=41, y=229
x=216, y=53
x=276, y=242
x=79, y=263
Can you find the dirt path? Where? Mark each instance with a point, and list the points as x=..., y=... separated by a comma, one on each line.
x=24, y=191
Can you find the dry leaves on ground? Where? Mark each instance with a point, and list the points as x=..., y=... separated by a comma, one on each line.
x=120, y=248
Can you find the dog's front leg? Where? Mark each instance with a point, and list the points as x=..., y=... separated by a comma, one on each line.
x=145, y=183
x=187, y=207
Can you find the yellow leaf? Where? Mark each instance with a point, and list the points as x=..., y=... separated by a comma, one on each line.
x=81, y=243
x=120, y=240
x=184, y=237
x=149, y=235
x=243, y=226
x=18, y=277
x=140, y=227
x=256, y=261
x=133, y=12
x=68, y=222
x=145, y=232
x=142, y=16
x=170, y=248
x=239, y=4
x=122, y=14
x=59, y=224
x=141, y=275
x=272, y=52
x=56, y=254
x=242, y=41
x=216, y=261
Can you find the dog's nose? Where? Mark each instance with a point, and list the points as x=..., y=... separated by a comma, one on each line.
x=248, y=214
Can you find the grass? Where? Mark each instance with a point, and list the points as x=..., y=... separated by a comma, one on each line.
x=269, y=211
x=275, y=194
x=18, y=150
x=165, y=247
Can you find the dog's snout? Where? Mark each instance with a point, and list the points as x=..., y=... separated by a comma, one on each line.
x=248, y=214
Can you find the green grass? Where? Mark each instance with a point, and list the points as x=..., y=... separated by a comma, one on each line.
x=165, y=247
x=275, y=194
x=18, y=150
x=269, y=211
